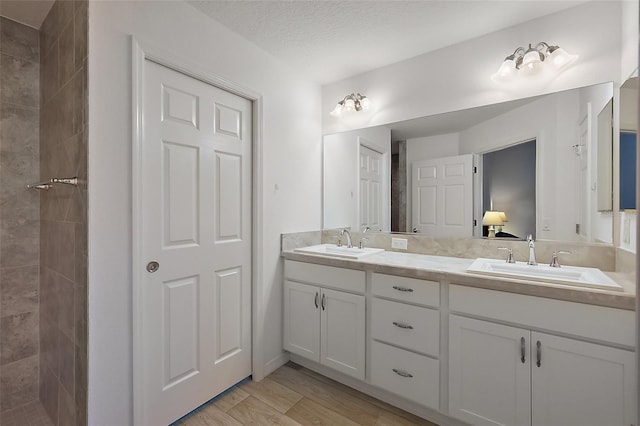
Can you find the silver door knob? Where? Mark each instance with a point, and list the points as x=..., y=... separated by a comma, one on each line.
x=153, y=266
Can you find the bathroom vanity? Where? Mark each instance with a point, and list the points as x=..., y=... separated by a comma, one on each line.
x=420, y=332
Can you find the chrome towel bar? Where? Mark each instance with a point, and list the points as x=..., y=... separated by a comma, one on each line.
x=45, y=185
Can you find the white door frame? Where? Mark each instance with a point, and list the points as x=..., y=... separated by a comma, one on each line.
x=141, y=51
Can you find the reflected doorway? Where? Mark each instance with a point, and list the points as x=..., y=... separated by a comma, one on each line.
x=509, y=186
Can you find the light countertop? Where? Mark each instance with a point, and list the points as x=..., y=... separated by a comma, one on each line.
x=453, y=271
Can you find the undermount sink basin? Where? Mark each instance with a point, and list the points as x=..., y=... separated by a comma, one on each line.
x=335, y=251
x=568, y=275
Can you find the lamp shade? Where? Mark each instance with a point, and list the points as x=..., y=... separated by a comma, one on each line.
x=531, y=61
x=365, y=102
x=506, y=70
x=560, y=58
x=492, y=218
x=338, y=109
x=503, y=216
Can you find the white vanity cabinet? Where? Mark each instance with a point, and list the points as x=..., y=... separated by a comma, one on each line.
x=512, y=375
x=405, y=331
x=322, y=323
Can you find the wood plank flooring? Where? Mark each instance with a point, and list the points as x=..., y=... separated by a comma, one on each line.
x=294, y=396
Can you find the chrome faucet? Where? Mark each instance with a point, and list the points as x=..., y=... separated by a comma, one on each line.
x=555, y=263
x=348, y=234
x=532, y=251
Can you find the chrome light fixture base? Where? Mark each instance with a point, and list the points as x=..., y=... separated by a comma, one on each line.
x=354, y=101
x=530, y=60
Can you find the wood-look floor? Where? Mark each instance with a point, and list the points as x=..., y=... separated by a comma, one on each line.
x=293, y=396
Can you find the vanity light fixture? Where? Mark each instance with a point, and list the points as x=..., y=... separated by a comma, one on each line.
x=531, y=60
x=493, y=218
x=354, y=101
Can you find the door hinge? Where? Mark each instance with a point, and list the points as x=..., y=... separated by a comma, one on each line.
x=475, y=169
x=475, y=222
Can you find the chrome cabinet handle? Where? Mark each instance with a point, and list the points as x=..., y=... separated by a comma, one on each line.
x=539, y=353
x=401, y=325
x=402, y=373
x=522, y=350
x=323, y=298
x=315, y=300
x=410, y=290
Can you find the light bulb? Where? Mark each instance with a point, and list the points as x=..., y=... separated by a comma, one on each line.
x=506, y=70
x=338, y=109
x=531, y=61
x=560, y=58
x=365, y=103
x=349, y=105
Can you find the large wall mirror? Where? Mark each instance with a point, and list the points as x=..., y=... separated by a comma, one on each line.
x=544, y=163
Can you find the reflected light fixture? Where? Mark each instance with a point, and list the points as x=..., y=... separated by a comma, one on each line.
x=532, y=59
x=493, y=218
x=352, y=102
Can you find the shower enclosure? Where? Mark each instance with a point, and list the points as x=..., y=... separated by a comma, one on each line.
x=43, y=236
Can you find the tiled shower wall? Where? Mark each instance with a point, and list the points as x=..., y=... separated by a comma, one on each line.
x=63, y=213
x=19, y=214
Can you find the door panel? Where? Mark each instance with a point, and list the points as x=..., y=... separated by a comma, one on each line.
x=370, y=188
x=181, y=347
x=442, y=193
x=489, y=384
x=343, y=332
x=302, y=320
x=579, y=383
x=196, y=223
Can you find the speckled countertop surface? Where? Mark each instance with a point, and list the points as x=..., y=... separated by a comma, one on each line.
x=453, y=271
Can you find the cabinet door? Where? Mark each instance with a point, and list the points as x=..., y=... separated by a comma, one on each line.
x=302, y=320
x=489, y=378
x=579, y=383
x=343, y=332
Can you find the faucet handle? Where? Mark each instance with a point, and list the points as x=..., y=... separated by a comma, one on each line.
x=554, y=258
x=361, y=244
x=339, y=243
x=510, y=258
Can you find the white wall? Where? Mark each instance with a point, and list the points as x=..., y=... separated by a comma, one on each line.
x=341, y=184
x=629, y=34
x=427, y=148
x=458, y=76
x=290, y=179
x=601, y=223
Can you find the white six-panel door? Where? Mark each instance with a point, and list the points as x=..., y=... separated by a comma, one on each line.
x=371, y=176
x=196, y=216
x=442, y=194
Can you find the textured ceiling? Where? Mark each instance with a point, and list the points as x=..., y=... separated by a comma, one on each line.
x=332, y=40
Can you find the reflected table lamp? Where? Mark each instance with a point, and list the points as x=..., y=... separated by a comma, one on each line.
x=493, y=218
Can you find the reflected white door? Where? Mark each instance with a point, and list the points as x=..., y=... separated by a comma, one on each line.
x=442, y=196
x=370, y=188
x=196, y=207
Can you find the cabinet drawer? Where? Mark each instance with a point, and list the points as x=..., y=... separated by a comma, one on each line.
x=411, y=327
x=409, y=375
x=325, y=276
x=405, y=289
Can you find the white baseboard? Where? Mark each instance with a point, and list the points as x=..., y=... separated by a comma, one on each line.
x=275, y=363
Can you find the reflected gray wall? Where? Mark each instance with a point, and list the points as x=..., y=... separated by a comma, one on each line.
x=63, y=214
x=509, y=185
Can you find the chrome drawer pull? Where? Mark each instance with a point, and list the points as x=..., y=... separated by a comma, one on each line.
x=402, y=373
x=401, y=325
x=395, y=287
